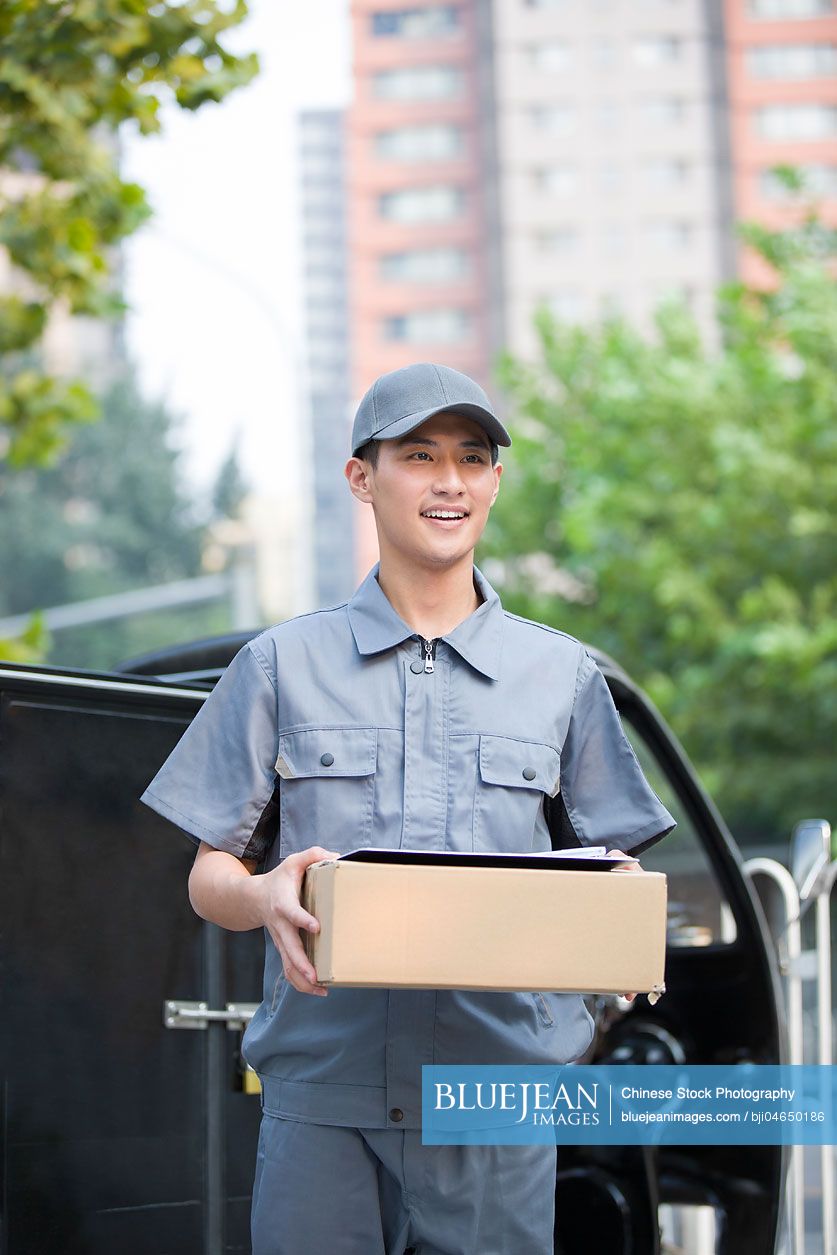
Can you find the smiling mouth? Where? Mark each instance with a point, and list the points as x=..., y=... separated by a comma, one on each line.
x=448, y=517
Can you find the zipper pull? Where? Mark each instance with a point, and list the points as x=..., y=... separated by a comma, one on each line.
x=429, y=647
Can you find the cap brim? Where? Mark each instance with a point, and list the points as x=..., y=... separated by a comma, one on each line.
x=492, y=426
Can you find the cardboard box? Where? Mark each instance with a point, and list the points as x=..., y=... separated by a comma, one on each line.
x=411, y=919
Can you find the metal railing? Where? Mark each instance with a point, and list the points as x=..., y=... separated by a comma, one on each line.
x=786, y=897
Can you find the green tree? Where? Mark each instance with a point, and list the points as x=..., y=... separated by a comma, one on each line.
x=70, y=75
x=674, y=506
x=110, y=515
x=230, y=486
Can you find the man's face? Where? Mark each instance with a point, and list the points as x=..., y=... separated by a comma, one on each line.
x=443, y=465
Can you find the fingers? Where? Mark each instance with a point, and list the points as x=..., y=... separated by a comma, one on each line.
x=287, y=916
x=296, y=865
x=304, y=858
x=633, y=865
x=297, y=915
x=299, y=971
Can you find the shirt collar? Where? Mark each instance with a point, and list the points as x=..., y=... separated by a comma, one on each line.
x=478, y=639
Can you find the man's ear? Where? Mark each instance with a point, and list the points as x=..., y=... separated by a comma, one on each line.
x=499, y=469
x=358, y=473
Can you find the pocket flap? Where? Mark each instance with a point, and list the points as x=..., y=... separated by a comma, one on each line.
x=327, y=752
x=519, y=764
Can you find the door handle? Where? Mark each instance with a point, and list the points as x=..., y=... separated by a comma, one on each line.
x=236, y=1015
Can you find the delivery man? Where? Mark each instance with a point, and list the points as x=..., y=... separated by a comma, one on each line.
x=417, y=715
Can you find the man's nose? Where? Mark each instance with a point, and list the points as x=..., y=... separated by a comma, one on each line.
x=448, y=477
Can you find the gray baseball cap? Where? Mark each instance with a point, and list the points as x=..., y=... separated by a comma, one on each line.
x=403, y=399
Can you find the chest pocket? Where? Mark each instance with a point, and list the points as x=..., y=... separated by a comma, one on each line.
x=327, y=789
x=512, y=778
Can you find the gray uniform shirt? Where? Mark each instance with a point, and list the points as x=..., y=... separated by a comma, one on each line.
x=328, y=730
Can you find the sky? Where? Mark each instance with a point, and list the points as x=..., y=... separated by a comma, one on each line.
x=213, y=281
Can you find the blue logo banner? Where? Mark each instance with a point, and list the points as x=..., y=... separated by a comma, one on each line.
x=630, y=1105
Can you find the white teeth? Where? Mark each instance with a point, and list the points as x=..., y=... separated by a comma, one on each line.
x=443, y=514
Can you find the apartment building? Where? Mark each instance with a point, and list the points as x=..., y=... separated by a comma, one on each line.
x=782, y=73
x=611, y=160
x=587, y=156
x=321, y=143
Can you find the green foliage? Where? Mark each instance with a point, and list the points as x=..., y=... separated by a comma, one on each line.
x=679, y=503
x=32, y=644
x=108, y=516
x=35, y=409
x=70, y=75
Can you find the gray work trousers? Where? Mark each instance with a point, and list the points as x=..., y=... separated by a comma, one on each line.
x=346, y=1191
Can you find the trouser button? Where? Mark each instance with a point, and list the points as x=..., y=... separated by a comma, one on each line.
x=396, y=1114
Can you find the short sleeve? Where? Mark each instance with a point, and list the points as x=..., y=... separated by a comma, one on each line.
x=604, y=796
x=218, y=784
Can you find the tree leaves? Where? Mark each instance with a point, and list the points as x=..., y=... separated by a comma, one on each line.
x=70, y=75
x=692, y=493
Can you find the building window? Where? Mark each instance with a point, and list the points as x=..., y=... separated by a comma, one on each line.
x=429, y=326
x=792, y=61
x=608, y=115
x=614, y=239
x=603, y=54
x=670, y=236
x=565, y=304
x=663, y=110
x=415, y=205
x=557, y=180
x=427, y=23
x=557, y=240
x=425, y=265
x=439, y=142
x=323, y=288
x=803, y=121
x=550, y=57
x=665, y=172
x=820, y=180
x=320, y=164
x=555, y=119
x=610, y=178
x=656, y=50
x=419, y=82
x=546, y=4
x=790, y=8
x=323, y=249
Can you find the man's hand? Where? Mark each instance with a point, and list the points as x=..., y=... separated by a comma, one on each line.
x=283, y=916
x=224, y=889
x=630, y=867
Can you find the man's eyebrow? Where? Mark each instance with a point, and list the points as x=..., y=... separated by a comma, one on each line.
x=472, y=443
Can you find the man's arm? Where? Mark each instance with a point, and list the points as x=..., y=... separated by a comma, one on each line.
x=224, y=890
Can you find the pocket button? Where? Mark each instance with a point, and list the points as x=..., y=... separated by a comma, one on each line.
x=529, y=773
x=327, y=759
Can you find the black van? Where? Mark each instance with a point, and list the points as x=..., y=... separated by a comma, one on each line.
x=129, y=1123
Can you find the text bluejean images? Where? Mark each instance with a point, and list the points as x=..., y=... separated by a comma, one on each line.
x=672, y=1104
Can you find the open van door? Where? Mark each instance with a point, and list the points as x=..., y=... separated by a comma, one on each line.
x=723, y=1005
x=118, y=1134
